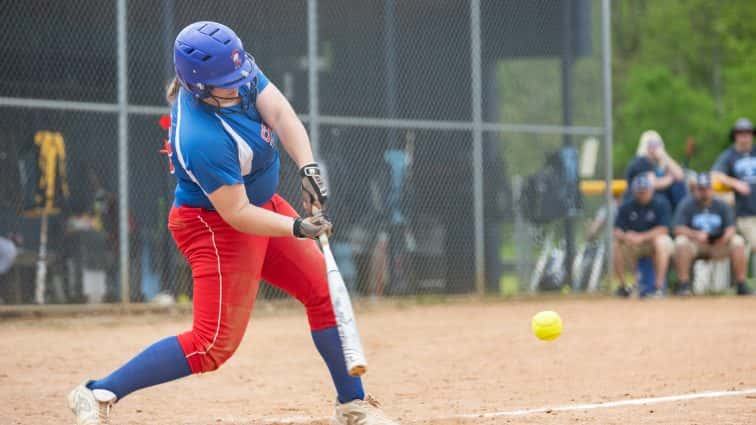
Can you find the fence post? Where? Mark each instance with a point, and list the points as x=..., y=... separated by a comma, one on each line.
x=312, y=73
x=123, y=152
x=477, y=133
x=606, y=60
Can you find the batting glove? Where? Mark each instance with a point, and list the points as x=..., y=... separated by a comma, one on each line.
x=314, y=190
x=312, y=227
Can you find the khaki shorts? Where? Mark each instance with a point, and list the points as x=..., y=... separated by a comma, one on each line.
x=747, y=228
x=707, y=250
x=633, y=252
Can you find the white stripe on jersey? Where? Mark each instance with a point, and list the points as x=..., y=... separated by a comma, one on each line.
x=177, y=140
x=245, y=152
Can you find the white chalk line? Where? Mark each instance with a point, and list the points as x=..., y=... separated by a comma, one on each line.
x=562, y=408
x=608, y=404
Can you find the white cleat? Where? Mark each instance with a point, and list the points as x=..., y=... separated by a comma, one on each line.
x=91, y=407
x=361, y=412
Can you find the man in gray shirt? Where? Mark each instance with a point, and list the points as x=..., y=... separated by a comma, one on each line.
x=705, y=227
x=736, y=168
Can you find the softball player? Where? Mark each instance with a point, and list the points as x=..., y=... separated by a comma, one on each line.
x=232, y=227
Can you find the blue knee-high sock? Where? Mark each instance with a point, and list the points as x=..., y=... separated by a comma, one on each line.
x=161, y=362
x=328, y=343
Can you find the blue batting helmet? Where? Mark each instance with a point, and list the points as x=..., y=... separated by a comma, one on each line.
x=209, y=55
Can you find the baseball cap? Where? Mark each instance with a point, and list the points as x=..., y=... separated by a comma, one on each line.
x=703, y=180
x=641, y=183
x=742, y=124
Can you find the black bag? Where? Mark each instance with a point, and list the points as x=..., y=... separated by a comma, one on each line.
x=553, y=192
x=539, y=202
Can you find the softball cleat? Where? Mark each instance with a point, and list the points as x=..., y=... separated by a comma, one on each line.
x=361, y=412
x=91, y=407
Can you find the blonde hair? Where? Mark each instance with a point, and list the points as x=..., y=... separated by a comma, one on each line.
x=171, y=92
x=646, y=138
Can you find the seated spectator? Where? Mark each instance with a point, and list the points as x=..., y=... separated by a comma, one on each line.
x=641, y=229
x=736, y=168
x=705, y=228
x=651, y=158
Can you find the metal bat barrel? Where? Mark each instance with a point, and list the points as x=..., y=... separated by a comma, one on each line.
x=342, y=309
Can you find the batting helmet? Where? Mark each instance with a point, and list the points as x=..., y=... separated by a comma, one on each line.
x=209, y=55
x=741, y=125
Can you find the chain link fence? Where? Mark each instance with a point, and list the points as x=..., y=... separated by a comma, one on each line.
x=437, y=122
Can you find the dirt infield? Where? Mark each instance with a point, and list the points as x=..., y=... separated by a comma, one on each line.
x=428, y=364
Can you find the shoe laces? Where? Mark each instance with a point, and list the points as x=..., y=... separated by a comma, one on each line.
x=369, y=399
x=377, y=411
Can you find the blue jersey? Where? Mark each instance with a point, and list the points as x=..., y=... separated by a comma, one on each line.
x=212, y=147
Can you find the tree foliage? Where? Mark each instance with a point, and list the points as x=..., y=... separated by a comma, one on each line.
x=684, y=68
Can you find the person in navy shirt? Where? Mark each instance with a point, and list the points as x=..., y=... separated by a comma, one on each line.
x=232, y=226
x=736, y=168
x=705, y=227
x=641, y=229
x=651, y=158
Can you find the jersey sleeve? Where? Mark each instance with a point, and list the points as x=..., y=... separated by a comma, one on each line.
x=637, y=166
x=216, y=167
x=683, y=214
x=723, y=164
x=262, y=81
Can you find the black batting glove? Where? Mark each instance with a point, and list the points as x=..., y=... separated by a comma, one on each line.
x=312, y=227
x=314, y=190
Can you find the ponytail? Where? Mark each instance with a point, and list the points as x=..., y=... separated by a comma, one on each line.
x=171, y=92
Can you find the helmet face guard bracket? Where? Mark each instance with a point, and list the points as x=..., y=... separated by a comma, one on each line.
x=247, y=95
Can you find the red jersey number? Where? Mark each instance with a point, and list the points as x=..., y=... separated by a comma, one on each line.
x=266, y=133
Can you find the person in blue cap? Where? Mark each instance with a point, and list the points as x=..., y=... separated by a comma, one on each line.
x=705, y=227
x=233, y=227
x=641, y=229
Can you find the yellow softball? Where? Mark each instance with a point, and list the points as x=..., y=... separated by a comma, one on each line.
x=547, y=325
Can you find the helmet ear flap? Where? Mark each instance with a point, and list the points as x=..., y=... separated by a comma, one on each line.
x=199, y=90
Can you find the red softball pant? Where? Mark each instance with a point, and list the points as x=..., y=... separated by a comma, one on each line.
x=226, y=267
